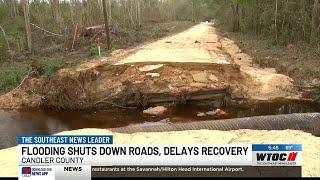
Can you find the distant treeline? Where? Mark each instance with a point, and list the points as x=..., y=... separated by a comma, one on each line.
x=31, y=24
x=285, y=21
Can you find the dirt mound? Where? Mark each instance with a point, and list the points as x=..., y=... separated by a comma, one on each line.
x=276, y=82
x=123, y=86
x=23, y=96
x=260, y=84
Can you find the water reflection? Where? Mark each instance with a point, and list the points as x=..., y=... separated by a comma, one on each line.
x=14, y=123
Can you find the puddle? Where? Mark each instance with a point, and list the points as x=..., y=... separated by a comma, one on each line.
x=15, y=123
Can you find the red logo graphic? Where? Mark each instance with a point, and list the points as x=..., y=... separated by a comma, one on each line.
x=292, y=156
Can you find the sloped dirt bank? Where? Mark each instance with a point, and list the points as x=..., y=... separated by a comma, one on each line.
x=126, y=86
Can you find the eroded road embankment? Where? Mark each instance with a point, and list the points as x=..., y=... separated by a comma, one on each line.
x=195, y=66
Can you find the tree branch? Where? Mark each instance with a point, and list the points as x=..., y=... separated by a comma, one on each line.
x=23, y=80
x=46, y=30
x=5, y=37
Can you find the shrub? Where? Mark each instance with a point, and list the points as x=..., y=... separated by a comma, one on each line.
x=159, y=32
x=49, y=68
x=94, y=51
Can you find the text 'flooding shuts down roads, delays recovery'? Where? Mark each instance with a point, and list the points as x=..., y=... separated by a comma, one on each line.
x=134, y=151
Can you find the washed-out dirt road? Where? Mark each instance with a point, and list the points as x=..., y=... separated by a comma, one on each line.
x=202, y=44
x=195, y=66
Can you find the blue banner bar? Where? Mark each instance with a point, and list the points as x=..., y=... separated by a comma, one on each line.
x=277, y=147
x=53, y=139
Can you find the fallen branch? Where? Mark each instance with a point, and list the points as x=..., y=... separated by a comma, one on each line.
x=74, y=37
x=5, y=37
x=308, y=87
x=23, y=80
x=116, y=105
x=46, y=30
x=93, y=37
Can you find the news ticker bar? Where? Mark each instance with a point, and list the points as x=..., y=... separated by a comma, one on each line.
x=89, y=172
x=195, y=171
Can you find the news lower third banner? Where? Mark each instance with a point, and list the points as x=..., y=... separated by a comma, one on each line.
x=84, y=157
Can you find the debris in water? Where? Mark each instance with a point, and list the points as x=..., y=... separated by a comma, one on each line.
x=159, y=110
x=201, y=114
x=165, y=121
x=217, y=112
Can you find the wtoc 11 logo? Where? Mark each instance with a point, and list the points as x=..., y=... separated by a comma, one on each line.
x=277, y=155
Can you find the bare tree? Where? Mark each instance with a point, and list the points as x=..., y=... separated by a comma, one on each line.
x=56, y=13
x=110, y=10
x=276, y=21
x=14, y=9
x=139, y=13
x=106, y=21
x=236, y=16
x=26, y=13
x=315, y=22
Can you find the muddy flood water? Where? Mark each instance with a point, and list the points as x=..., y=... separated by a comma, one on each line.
x=15, y=123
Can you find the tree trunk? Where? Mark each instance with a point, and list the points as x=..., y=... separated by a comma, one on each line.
x=275, y=22
x=56, y=14
x=79, y=13
x=110, y=11
x=314, y=38
x=139, y=13
x=192, y=11
x=106, y=21
x=236, y=18
x=131, y=13
x=14, y=9
x=26, y=13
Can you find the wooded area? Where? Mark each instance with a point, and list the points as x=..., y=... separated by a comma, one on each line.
x=284, y=21
x=35, y=24
x=32, y=24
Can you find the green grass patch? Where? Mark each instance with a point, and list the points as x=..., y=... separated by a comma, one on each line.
x=49, y=68
x=12, y=73
x=94, y=51
x=10, y=77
